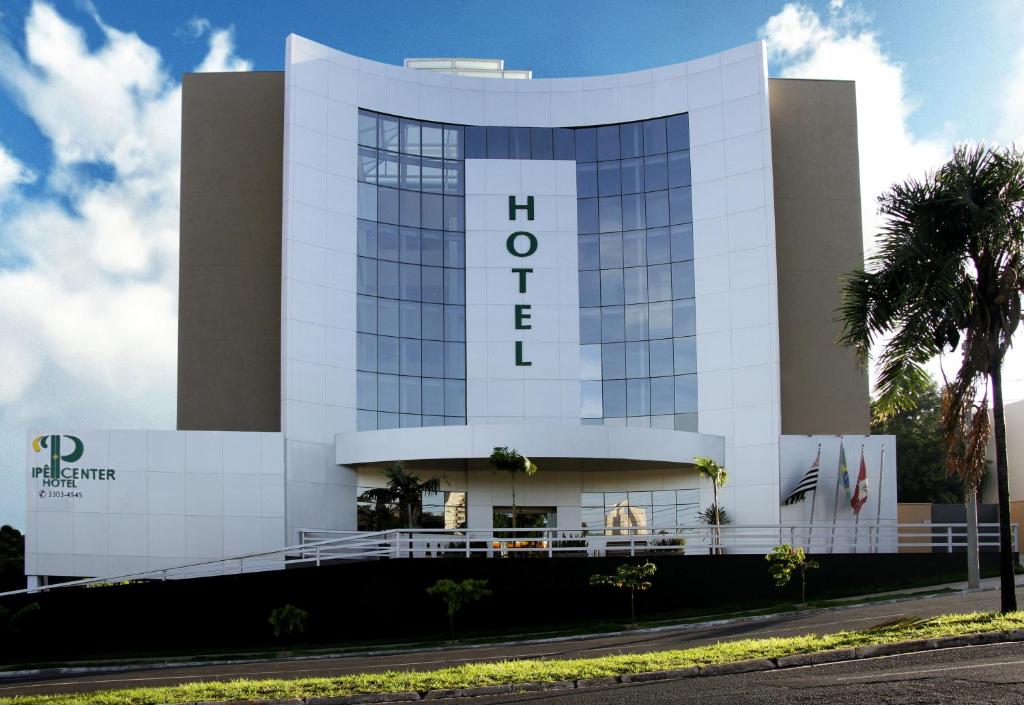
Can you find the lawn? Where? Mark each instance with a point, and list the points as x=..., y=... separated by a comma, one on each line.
x=505, y=672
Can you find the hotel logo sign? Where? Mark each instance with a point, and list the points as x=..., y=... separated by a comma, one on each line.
x=58, y=453
x=521, y=244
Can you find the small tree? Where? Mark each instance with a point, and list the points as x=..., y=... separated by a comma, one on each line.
x=713, y=471
x=514, y=463
x=455, y=595
x=287, y=622
x=784, y=560
x=634, y=577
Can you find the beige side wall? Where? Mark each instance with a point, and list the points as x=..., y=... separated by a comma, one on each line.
x=914, y=513
x=818, y=238
x=229, y=306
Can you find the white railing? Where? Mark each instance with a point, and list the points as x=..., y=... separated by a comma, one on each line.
x=318, y=547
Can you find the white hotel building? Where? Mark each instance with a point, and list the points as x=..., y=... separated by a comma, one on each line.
x=611, y=274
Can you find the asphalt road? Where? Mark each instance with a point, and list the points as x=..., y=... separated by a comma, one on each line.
x=962, y=676
x=819, y=622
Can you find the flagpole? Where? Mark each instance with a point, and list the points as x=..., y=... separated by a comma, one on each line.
x=878, y=516
x=835, y=509
x=856, y=521
x=814, y=501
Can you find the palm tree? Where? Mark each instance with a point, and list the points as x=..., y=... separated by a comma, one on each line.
x=513, y=462
x=713, y=471
x=948, y=272
x=406, y=490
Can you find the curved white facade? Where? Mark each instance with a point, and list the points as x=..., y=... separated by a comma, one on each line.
x=736, y=332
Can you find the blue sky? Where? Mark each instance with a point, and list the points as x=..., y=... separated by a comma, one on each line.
x=89, y=110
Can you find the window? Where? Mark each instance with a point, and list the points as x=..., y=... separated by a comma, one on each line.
x=639, y=511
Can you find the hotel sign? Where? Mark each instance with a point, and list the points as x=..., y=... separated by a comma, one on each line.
x=57, y=474
x=521, y=244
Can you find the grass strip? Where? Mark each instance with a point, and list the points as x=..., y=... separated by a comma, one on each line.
x=505, y=672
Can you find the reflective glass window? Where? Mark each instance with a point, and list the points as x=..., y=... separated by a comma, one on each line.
x=410, y=142
x=410, y=208
x=366, y=276
x=608, y=183
x=433, y=321
x=680, y=208
x=636, y=322
x=586, y=180
x=612, y=324
x=590, y=325
x=409, y=245
x=634, y=248
x=387, y=241
x=432, y=396
x=455, y=397
x=631, y=138
x=660, y=319
x=611, y=250
x=589, y=252
x=453, y=140
x=611, y=287
x=613, y=361
x=388, y=134
x=684, y=318
x=454, y=322
x=686, y=422
x=586, y=215
x=366, y=352
x=686, y=393
x=432, y=211
x=433, y=363
x=366, y=313
x=685, y=353
x=410, y=420
x=590, y=362
x=387, y=421
x=634, y=281
x=678, y=132
x=564, y=139
x=409, y=357
x=659, y=282
x=454, y=213
x=682, y=242
x=410, y=282
x=654, y=136
x=638, y=362
x=431, y=140
x=432, y=247
x=657, y=209
x=663, y=395
x=387, y=356
x=586, y=145
x=638, y=397
x=541, y=143
x=387, y=393
x=614, y=398
x=610, y=212
x=366, y=238
x=632, y=175
x=454, y=249
x=387, y=205
x=608, y=142
x=658, y=246
x=454, y=286
x=633, y=212
x=455, y=360
x=366, y=201
x=655, y=173
x=476, y=142
x=366, y=420
x=590, y=288
x=432, y=175
x=497, y=143
x=590, y=400
x=367, y=128
x=387, y=279
x=682, y=280
x=367, y=165
x=409, y=323
x=519, y=143
x=388, y=318
x=454, y=178
x=662, y=363
x=678, y=169
x=387, y=169
x=409, y=172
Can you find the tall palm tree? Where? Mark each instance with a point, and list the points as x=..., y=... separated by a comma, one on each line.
x=948, y=272
x=716, y=474
x=514, y=463
x=404, y=489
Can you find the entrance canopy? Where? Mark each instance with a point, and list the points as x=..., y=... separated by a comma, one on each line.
x=558, y=445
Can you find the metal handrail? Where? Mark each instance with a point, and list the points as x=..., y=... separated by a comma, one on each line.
x=317, y=546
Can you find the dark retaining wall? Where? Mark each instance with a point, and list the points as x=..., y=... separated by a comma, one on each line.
x=386, y=599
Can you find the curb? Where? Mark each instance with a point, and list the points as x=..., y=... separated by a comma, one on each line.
x=28, y=674
x=710, y=670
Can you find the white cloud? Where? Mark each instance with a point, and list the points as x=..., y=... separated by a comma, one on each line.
x=89, y=308
x=12, y=173
x=841, y=46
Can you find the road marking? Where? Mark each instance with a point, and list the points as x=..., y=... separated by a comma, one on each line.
x=890, y=674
